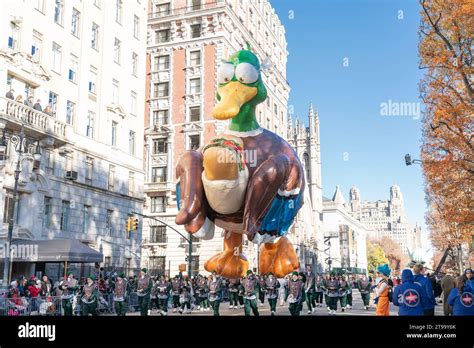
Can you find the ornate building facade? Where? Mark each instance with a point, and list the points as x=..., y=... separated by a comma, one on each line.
x=187, y=40
x=84, y=63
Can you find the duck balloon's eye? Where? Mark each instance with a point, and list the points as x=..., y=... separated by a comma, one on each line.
x=246, y=73
x=225, y=73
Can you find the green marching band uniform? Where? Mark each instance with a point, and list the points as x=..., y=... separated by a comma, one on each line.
x=318, y=283
x=68, y=288
x=364, y=286
x=343, y=289
x=163, y=293
x=121, y=289
x=261, y=289
x=144, y=285
x=295, y=294
x=271, y=288
x=89, y=297
x=234, y=285
x=202, y=293
x=349, y=293
x=175, y=290
x=310, y=290
x=185, y=297
x=215, y=287
x=331, y=287
x=250, y=288
x=153, y=296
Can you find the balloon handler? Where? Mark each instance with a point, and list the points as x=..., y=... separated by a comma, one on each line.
x=248, y=181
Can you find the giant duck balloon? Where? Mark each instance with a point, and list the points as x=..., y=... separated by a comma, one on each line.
x=248, y=181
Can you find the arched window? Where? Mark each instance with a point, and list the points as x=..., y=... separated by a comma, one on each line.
x=306, y=165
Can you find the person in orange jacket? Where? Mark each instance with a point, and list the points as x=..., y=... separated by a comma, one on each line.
x=382, y=291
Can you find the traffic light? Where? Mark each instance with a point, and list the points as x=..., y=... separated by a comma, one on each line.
x=134, y=224
x=128, y=225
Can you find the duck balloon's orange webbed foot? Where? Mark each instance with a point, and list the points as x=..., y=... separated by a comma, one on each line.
x=279, y=258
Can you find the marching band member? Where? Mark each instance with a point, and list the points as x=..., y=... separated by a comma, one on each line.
x=185, y=297
x=163, y=290
x=295, y=289
x=89, y=297
x=250, y=288
x=343, y=289
x=234, y=285
x=121, y=290
x=318, y=290
x=215, y=287
x=332, y=289
x=309, y=288
x=175, y=290
x=271, y=288
x=67, y=289
x=144, y=285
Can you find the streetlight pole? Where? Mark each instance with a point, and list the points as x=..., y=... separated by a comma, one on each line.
x=20, y=144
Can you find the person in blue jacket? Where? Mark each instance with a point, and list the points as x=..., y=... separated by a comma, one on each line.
x=409, y=297
x=461, y=298
x=425, y=283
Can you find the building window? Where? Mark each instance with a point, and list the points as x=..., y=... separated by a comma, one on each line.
x=160, y=146
x=53, y=102
x=194, y=114
x=64, y=221
x=158, y=234
x=70, y=112
x=275, y=109
x=114, y=133
x=115, y=92
x=14, y=38
x=136, y=26
x=37, y=46
x=160, y=117
x=58, y=12
x=134, y=64
x=162, y=36
x=157, y=265
x=90, y=124
x=196, y=5
x=8, y=211
x=47, y=212
x=118, y=11
x=161, y=90
x=85, y=218
x=89, y=170
x=195, y=31
x=133, y=102
x=163, y=9
x=117, y=45
x=49, y=165
x=56, y=58
x=92, y=79
x=108, y=222
x=73, y=68
x=158, y=204
x=158, y=174
x=195, y=86
x=131, y=183
x=40, y=5
x=111, y=178
x=95, y=36
x=131, y=143
x=75, y=22
x=194, y=141
x=195, y=58
x=162, y=63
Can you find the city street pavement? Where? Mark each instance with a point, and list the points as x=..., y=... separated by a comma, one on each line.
x=357, y=309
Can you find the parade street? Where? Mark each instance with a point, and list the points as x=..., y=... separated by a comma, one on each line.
x=357, y=309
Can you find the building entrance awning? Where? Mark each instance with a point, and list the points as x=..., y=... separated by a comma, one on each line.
x=59, y=250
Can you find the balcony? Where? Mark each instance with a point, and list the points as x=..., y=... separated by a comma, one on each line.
x=167, y=12
x=159, y=186
x=37, y=122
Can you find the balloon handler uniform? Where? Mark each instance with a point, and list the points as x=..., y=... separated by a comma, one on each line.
x=248, y=181
x=409, y=297
x=163, y=290
x=121, y=289
x=250, y=288
x=364, y=287
x=89, y=297
x=332, y=293
x=144, y=285
x=295, y=294
x=271, y=288
x=68, y=288
x=234, y=285
x=462, y=301
x=215, y=287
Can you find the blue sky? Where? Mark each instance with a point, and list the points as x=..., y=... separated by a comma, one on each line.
x=380, y=43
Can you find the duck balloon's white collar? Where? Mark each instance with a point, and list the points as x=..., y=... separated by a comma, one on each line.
x=252, y=133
